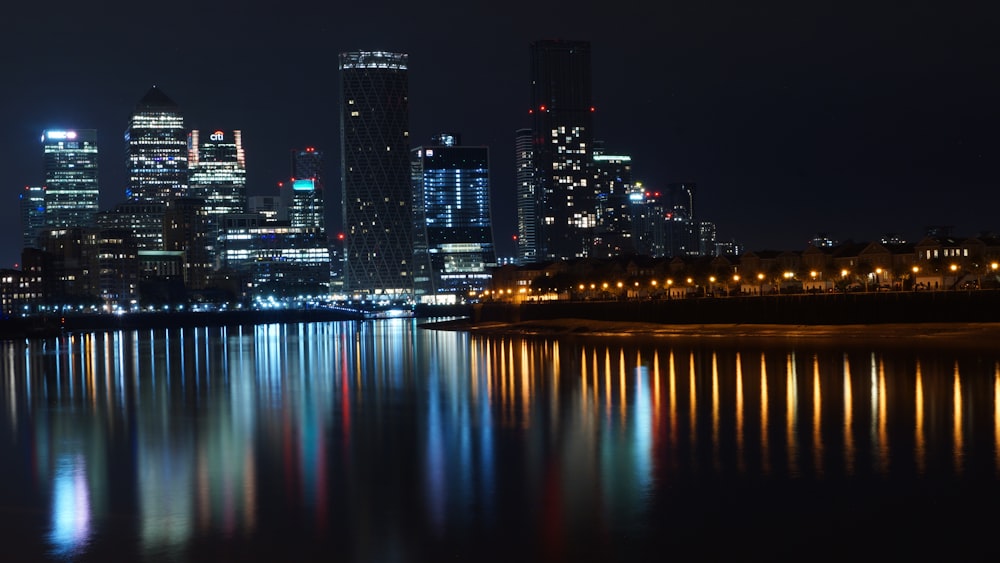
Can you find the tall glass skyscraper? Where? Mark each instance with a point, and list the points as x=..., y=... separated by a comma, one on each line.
x=453, y=241
x=527, y=202
x=157, y=150
x=306, y=208
x=71, y=189
x=375, y=168
x=217, y=171
x=562, y=111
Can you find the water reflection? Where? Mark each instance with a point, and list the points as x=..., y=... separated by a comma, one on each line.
x=386, y=440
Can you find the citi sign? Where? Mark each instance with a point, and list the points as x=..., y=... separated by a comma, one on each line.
x=217, y=136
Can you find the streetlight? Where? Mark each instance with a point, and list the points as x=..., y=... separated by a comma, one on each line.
x=760, y=281
x=878, y=279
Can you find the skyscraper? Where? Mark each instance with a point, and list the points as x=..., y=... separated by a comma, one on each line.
x=377, y=197
x=217, y=171
x=32, y=201
x=71, y=189
x=612, y=184
x=157, y=150
x=562, y=111
x=453, y=244
x=307, y=205
x=527, y=203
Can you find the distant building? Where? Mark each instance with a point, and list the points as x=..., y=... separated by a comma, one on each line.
x=527, y=201
x=32, y=203
x=272, y=207
x=682, y=229
x=453, y=242
x=612, y=185
x=707, y=239
x=71, y=187
x=144, y=220
x=377, y=197
x=562, y=112
x=157, y=150
x=217, y=171
x=279, y=260
x=306, y=209
x=185, y=229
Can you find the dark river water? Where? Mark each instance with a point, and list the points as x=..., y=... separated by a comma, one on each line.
x=382, y=441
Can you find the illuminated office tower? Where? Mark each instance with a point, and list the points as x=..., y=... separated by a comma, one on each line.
x=185, y=229
x=377, y=196
x=217, y=171
x=157, y=150
x=527, y=203
x=453, y=244
x=71, y=188
x=306, y=208
x=562, y=111
x=32, y=201
x=612, y=185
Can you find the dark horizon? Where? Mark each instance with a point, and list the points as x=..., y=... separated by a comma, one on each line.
x=791, y=120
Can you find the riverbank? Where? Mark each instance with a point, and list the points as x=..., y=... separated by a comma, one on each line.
x=910, y=334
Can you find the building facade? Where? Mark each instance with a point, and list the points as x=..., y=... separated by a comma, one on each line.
x=217, y=171
x=71, y=186
x=32, y=203
x=612, y=184
x=453, y=238
x=375, y=166
x=157, y=150
x=562, y=123
x=527, y=203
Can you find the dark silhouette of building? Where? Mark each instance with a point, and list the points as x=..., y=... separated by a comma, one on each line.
x=562, y=116
x=377, y=197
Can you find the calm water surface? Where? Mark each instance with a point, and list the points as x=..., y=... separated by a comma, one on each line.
x=381, y=441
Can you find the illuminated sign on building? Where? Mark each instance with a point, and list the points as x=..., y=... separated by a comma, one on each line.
x=304, y=185
x=217, y=136
x=61, y=134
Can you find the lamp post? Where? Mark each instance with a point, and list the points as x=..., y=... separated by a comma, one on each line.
x=760, y=283
x=916, y=270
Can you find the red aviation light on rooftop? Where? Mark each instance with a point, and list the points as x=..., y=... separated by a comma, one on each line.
x=542, y=108
x=340, y=236
x=530, y=111
x=592, y=109
x=310, y=149
x=513, y=237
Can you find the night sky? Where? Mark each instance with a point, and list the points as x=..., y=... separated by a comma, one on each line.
x=792, y=118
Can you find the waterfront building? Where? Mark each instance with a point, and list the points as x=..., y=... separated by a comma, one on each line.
x=32, y=204
x=453, y=241
x=144, y=220
x=71, y=185
x=562, y=115
x=157, y=150
x=612, y=185
x=116, y=267
x=279, y=260
x=527, y=202
x=377, y=196
x=185, y=229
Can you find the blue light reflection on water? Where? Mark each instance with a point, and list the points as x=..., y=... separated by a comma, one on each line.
x=379, y=440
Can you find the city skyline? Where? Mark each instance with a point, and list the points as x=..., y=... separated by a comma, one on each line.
x=790, y=121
